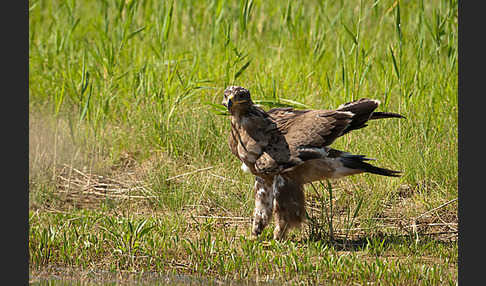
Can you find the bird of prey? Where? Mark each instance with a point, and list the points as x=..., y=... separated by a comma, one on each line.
x=286, y=148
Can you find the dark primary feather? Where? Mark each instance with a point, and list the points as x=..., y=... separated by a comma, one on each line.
x=358, y=162
x=381, y=115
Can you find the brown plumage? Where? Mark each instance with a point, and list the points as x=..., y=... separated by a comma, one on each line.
x=287, y=148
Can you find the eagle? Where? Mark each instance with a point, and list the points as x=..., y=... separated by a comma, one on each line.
x=286, y=148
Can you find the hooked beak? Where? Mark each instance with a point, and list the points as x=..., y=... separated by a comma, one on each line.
x=228, y=102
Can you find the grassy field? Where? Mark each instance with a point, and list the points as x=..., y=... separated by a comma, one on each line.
x=129, y=168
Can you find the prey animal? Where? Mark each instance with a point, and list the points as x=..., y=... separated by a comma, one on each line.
x=287, y=148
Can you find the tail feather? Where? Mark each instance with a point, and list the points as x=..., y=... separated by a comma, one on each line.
x=364, y=110
x=380, y=115
x=357, y=162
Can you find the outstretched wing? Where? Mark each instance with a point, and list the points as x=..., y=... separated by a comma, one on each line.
x=308, y=131
x=317, y=128
x=298, y=136
x=302, y=135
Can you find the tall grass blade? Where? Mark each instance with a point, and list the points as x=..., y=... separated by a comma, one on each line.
x=242, y=69
x=217, y=109
x=293, y=103
x=353, y=37
x=245, y=13
x=168, y=22
x=398, y=22
x=86, y=104
x=132, y=34
x=395, y=66
x=281, y=102
x=288, y=16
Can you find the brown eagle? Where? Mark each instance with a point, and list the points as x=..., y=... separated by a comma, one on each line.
x=286, y=148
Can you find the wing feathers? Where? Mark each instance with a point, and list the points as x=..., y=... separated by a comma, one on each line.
x=358, y=163
x=283, y=138
x=316, y=128
x=380, y=115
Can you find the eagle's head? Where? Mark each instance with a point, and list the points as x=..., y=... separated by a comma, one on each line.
x=236, y=99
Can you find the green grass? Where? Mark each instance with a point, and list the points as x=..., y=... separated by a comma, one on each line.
x=129, y=168
x=93, y=239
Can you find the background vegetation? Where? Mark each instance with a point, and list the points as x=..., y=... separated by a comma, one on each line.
x=129, y=168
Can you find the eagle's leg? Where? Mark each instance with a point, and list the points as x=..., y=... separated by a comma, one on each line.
x=263, y=206
x=289, y=205
x=281, y=229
